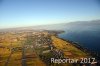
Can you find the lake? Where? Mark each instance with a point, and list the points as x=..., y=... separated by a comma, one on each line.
x=87, y=39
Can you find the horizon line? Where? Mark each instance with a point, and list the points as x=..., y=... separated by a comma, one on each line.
x=48, y=24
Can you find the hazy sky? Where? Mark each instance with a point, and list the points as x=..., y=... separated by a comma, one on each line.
x=17, y=13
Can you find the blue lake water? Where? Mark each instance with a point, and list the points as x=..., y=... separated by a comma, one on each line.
x=90, y=40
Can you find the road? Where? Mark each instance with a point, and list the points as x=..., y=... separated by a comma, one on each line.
x=23, y=57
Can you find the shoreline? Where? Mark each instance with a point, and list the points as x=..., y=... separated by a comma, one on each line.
x=86, y=50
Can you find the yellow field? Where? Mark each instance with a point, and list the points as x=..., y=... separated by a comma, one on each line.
x=68, y=49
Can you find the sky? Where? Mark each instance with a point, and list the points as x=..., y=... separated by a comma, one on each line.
x=21, y=13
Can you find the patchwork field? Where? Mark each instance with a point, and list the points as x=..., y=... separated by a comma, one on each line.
x=36, y=48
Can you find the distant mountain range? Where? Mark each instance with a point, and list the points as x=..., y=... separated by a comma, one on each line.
x=78, y=25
